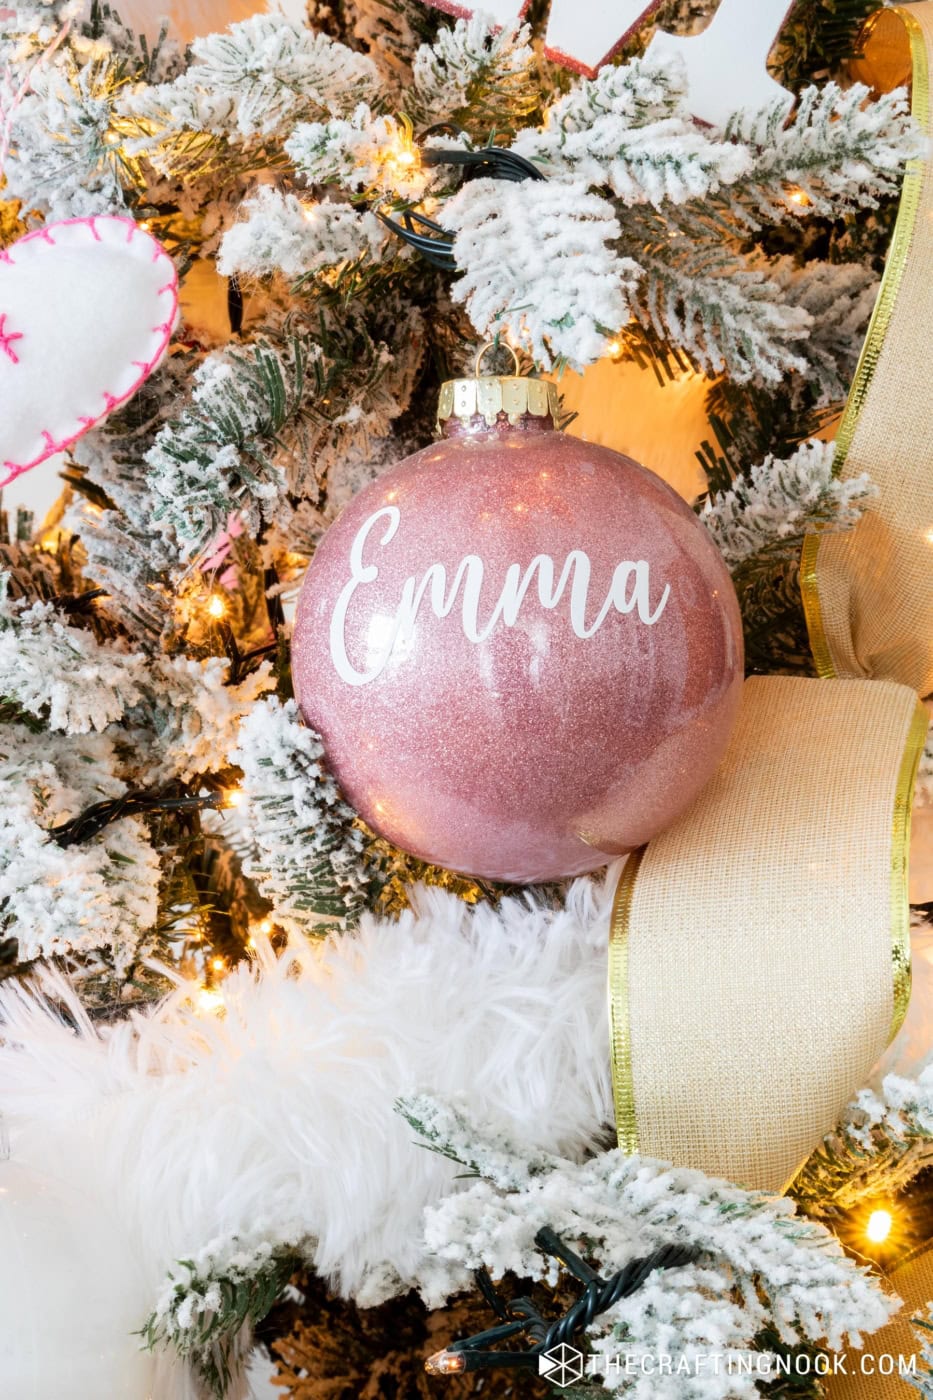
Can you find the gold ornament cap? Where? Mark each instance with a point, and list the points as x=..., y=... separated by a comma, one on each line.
x=494, y=397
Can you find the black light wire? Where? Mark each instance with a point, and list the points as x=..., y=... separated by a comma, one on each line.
x=95, y=819
x=520, y=1315
x=436, y=245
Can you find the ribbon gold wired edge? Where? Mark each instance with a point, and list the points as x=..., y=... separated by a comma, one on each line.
x=896, y=262
x=900, y=860
x=620, y=1038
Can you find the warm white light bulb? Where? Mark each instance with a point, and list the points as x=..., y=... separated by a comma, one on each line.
x=879, y=1226
x=445, y=1363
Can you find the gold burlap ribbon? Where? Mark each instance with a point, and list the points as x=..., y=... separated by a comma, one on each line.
x=872, y=1374
x=759, y=952
x=868, y=593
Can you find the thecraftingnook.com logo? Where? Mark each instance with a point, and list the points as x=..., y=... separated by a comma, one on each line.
x=563, y=1365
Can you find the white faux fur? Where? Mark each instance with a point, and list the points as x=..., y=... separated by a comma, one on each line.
x=277, y=1119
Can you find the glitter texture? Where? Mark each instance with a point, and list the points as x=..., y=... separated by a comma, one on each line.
x=535, y=753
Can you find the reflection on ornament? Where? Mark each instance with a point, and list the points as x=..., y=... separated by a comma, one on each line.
x=622, y=405
x=71, y=1295
x=523, y=652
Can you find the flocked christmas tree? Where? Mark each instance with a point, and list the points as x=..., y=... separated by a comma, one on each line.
x=169, y=826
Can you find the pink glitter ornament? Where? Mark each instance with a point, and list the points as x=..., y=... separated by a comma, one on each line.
x=523, y=652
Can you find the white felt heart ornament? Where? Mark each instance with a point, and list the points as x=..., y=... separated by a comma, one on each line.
x=87, y=309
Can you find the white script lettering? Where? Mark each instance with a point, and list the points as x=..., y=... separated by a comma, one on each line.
x=629, y=591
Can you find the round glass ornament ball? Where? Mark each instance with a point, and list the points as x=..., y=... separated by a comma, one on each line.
x=523, y=651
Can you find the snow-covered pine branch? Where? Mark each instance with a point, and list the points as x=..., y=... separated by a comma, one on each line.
x=308, y=854
x=638, y=93
x=474, y=65
x=125, y=555
x=728, y=318
x=61, y=160
x=760, y=1267
x=222, y=451
x=839, y=299
x=884, y=1140
x=257, y=79
x=840, y=152
x=280, y=234
x=923, y=1381
x=758, y=319
x=768, y=511
x=209, y=1304
x=538, y=257
x=628, y=133
x=189, y=720
x=180, y=710
x=62, y=675
x=54, y=899
x=630, y=129
x=359, y=153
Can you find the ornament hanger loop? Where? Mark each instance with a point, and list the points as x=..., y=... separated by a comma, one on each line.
x=491, y=345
